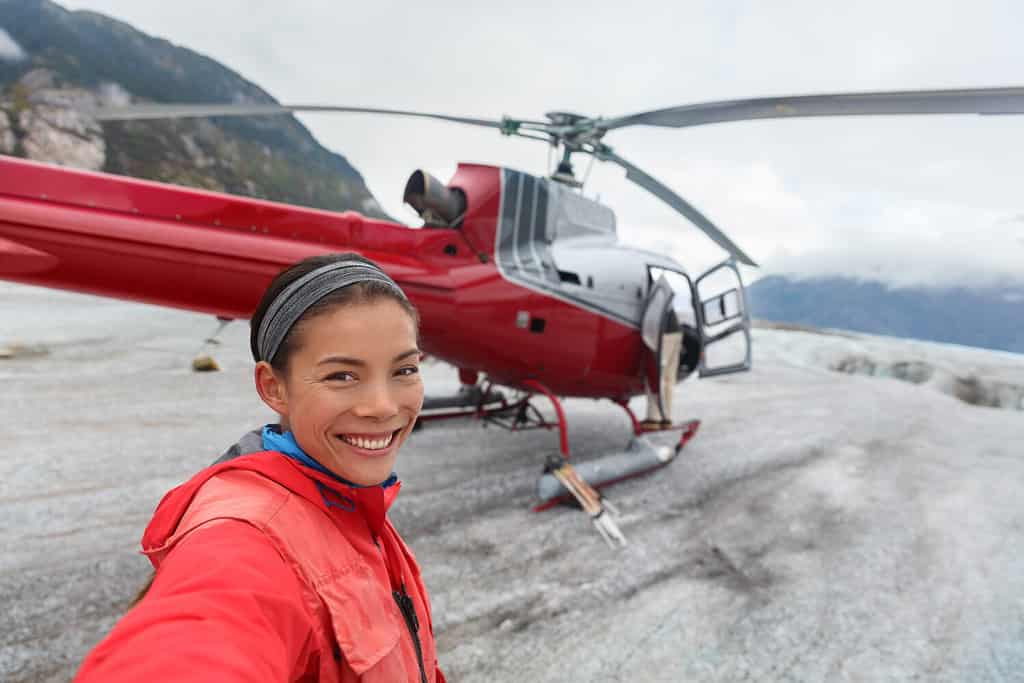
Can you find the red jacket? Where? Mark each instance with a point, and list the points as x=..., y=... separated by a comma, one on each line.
x=270, y=571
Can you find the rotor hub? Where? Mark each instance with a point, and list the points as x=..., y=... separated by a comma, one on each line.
x=565, y=118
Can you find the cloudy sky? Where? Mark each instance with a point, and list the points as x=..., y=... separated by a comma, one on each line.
x=903, y=199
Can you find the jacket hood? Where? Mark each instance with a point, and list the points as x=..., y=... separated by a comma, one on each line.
x=334, y=498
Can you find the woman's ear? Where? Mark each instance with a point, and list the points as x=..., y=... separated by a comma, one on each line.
x=271, y=388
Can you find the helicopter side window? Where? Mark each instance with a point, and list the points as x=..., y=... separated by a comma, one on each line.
x=569, y=276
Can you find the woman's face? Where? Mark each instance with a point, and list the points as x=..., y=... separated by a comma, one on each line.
x=353, y=390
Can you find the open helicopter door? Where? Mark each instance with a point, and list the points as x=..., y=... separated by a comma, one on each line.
x=723, y=318
x=653, y=326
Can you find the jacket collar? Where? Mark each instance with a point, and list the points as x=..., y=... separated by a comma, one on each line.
x=273, y=439
x=322, y=490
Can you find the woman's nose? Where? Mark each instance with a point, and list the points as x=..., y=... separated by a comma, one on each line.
x=377, y=400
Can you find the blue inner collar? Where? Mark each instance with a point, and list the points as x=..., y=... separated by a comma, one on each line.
x=284, y=442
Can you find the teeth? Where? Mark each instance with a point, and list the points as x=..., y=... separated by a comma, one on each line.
x=368, y=444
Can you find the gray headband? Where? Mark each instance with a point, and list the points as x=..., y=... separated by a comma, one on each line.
x=297, y=297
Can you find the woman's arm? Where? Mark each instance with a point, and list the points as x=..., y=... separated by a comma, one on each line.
x=223, y=607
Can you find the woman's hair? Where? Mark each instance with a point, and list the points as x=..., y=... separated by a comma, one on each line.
x=362, y=292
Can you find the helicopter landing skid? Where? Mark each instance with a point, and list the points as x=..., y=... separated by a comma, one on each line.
x=571, y=483
x=640, y=457
x=689, y=427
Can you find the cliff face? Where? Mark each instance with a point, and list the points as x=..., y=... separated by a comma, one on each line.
x=64, y=61
x=7, y=139
x=44, y=122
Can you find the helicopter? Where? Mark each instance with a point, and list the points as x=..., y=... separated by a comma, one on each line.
x=521, y=281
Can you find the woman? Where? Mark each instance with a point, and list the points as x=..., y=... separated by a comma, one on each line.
x=281, y=564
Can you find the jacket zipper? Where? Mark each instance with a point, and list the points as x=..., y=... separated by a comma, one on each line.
x=409, y=612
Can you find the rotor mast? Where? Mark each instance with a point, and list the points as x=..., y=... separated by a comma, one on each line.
x=570, y=132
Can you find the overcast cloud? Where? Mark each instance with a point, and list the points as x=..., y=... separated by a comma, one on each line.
x=9, y=49
x=911, y=199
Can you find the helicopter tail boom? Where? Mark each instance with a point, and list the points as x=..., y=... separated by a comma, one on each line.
x=168, y=245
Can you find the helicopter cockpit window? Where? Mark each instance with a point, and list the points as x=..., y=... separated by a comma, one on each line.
x=682, y=302
x=726, y=306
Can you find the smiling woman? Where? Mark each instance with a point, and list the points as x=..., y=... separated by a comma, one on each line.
x=279, y=562
x=344, y=375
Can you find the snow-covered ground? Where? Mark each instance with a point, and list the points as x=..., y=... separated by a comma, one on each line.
x=822, y=525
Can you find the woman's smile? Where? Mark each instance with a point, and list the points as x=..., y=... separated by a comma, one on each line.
x=370, y=444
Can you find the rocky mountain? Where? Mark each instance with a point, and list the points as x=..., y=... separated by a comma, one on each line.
x=990, y=317
x=53, y=61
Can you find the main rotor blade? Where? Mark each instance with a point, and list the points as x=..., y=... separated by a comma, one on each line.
x=972, y=101
x=177, y=111
x=662, y=192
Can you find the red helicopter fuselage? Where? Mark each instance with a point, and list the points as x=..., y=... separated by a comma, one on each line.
x=215, y=253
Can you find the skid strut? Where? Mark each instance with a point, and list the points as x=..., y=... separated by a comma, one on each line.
x=563, y=432
x=637, y=427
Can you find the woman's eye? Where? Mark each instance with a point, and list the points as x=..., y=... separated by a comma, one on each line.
x=407, y=371
x=340, y=376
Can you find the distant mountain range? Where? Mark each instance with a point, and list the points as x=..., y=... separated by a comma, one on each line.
x=73, y=58
x=991, y=317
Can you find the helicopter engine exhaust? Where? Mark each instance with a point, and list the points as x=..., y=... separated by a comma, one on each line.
x=436, y=204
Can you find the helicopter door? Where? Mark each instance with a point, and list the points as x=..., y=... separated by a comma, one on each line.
x=652, y=328
x=723, y=320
